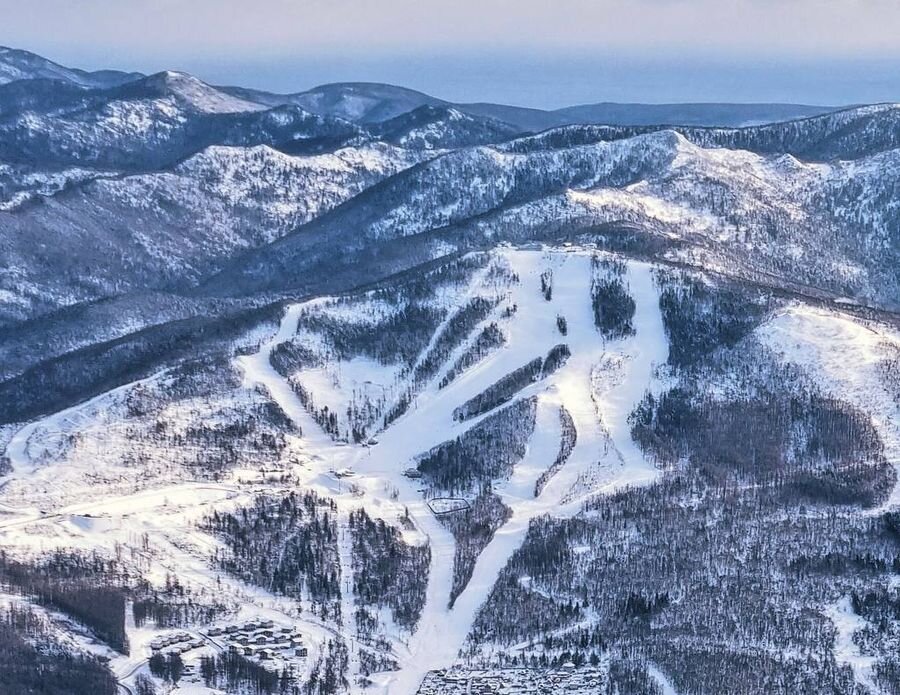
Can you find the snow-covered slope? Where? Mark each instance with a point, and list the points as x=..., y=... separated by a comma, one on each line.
x=816, y=224
x=170, y=228
x=16, y=64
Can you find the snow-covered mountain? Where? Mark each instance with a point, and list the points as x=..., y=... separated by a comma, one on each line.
x=360, y=102
x=16, y=64
x=358, y=391
x=168, y=229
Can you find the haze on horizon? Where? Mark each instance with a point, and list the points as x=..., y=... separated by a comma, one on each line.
x=520, y=52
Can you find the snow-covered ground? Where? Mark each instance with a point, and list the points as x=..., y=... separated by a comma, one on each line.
x=846, y=652
x=604, y=452
x=846, y=358
x=603, y=458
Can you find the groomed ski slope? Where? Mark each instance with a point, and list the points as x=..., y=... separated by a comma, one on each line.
x=604, y=451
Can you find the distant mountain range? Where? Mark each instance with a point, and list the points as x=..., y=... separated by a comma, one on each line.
x=370, y=102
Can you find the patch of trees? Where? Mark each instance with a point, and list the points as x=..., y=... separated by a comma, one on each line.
x=699, y=577
x=292, y=356
x=371, y=661
x=234, y=673
x=388, y=572
x=501, y=391
x=329, y=675
x=569, y=435
x=168, y=667
x=486, y=452
x=172, y=605
x=32, y=661
x=611, y=301
x=547, y=284
x=473, y=529
x=490, y=338
x=819, y=449
x=398, y=338
x=285, y=544
x=508, y=386
x=89, y=588
x=562, y=325
x=556, y=358
x=880, y=634
x=219, y=432
x=699, y=318
x=454, y=333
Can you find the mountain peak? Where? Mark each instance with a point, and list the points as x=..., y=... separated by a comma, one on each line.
x=197, y=94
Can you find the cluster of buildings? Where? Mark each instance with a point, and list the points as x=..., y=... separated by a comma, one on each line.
x=515, y=681
x=261, y=639
x=175, y=643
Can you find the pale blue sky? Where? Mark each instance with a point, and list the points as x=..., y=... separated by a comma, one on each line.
x=525, y=52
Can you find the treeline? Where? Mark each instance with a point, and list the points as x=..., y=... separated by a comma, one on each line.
x=234, y=673
x=33, y=662
x=455, y=332
x=501, y=391
x=489, y=339
x=508, y=386
x=172, y=605
x=397, y=338
x=285, y=544
x=569, y=435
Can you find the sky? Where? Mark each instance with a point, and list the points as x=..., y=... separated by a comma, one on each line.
x=545, y=54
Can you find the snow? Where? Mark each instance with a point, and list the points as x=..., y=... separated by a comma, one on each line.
x=661, y=679
x=825, y=344
x=30, y=445
x=846, y=652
